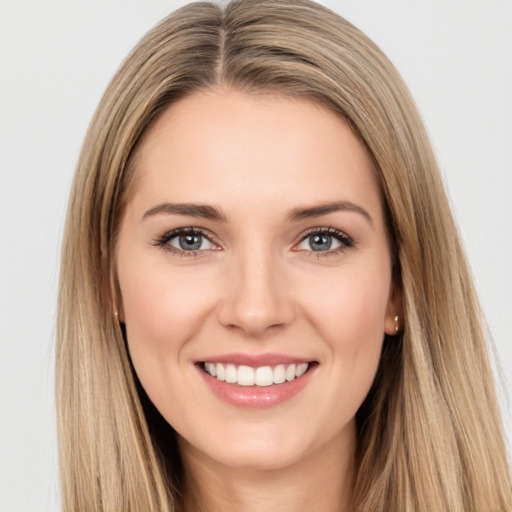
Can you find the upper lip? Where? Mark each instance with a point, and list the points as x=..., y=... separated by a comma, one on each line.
x=255, y=360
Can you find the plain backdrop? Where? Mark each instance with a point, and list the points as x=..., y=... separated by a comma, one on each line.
x=56, y=58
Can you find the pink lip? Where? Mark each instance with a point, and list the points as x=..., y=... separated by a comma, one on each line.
x=255, y=360
x=254, y=397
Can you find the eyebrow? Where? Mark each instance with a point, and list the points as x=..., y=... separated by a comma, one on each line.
x=189, y=209
x=326, y=208
x=211, y=213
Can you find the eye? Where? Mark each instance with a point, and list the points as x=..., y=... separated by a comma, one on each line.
x=324, y=240
x=185, y=240
x=190, y=242
x=319, y=242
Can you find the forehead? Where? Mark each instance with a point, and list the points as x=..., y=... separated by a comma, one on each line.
x=217, y=146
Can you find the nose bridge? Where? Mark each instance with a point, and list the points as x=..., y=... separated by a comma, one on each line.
x=257, y=298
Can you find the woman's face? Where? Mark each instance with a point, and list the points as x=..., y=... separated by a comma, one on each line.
x=255, y=276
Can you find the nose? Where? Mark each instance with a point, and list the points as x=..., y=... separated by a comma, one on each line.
x=256, y=297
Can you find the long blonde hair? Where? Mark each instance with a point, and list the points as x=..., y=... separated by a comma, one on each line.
x=429, y=432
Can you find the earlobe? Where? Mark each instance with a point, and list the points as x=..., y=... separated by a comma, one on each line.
x=397, y=324
x=393, y=324
x=115, y=297
x=119, y=314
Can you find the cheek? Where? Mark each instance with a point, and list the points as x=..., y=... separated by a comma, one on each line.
x=350, y=319
x=350, y=315
x=160, y=307
x=355, y=298
x=161, y=314
x=160, y=319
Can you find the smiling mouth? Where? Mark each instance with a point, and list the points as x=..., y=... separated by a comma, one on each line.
x=262, y=376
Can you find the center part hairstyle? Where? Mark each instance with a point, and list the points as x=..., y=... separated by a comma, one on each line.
x=429, y=435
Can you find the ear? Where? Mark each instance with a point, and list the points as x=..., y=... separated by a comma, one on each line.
x=394, y=320
x=117, y=303
x=120, y=312
x=116, y=298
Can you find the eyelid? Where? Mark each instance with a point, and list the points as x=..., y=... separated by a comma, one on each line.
x=346, y=242
x=162, y=241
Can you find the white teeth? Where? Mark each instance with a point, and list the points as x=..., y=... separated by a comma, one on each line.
x=245, y=376
x=210, y=368
x=301, y=369
x=279, y=374
x=219, y=370
x=231, y=373
x=261, y=376
x=290, y=372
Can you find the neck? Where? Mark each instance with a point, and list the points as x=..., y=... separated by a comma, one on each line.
x=319, y=481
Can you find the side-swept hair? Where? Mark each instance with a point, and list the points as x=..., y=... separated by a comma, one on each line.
x=429, y=432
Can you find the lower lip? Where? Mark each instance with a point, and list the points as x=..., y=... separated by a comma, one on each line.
x=256, y=397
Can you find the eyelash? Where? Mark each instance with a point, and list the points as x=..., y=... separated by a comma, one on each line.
x=163, y=241
x=345, y=241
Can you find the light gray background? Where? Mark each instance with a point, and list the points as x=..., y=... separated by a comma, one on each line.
x=56, y=58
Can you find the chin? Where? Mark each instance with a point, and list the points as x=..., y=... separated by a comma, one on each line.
x=255, y=459
x=252, y=451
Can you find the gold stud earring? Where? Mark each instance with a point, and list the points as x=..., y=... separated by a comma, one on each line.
x=396, y=324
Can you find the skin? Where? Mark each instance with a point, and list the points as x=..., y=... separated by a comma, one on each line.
x=256, y=287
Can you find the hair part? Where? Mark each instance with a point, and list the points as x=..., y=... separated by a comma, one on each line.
x=429, y=432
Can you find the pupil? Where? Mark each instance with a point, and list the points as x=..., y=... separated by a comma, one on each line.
x=190, y=242
x=320, y=242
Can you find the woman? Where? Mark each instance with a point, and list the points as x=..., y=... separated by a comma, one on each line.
x=224, y=344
